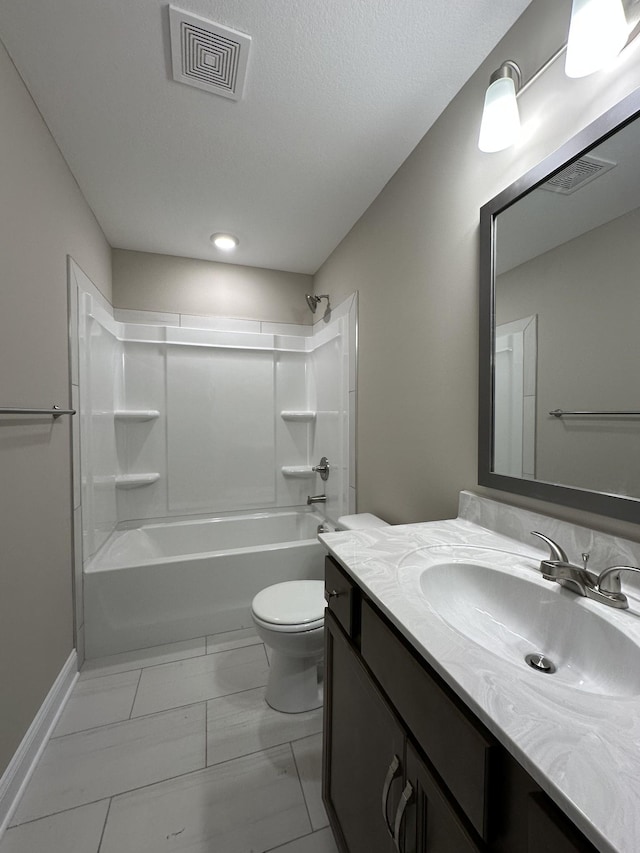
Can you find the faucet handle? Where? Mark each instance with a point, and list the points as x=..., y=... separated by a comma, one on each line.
x=609, y=579
x=322, y=468
x=557, y=553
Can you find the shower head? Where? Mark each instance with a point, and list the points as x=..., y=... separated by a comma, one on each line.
x=314, y=301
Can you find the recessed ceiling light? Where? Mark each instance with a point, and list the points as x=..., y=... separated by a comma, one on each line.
x=226, y=242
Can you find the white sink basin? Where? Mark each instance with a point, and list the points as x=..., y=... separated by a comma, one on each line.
x=501, y=602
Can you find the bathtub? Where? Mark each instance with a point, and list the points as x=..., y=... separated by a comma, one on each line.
x=161, y=583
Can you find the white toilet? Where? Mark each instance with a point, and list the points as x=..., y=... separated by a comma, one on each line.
x=289, y=619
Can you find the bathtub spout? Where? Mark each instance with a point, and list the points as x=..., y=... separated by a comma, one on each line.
x=316, y=499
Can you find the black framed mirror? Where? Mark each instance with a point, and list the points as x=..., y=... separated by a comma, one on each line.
x=559, y=391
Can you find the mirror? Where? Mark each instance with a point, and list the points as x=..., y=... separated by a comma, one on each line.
x=560, y=324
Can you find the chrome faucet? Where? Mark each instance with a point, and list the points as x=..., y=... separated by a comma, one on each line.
x=605, y=587
x=316, y=499
x=558, y=568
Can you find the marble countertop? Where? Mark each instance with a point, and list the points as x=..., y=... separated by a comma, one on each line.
x=581, y=747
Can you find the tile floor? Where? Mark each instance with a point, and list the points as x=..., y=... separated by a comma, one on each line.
x=174, y=749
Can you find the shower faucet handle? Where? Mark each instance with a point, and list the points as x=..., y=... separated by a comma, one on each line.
x=322, y=468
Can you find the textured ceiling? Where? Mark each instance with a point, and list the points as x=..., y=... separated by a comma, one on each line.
x=338, y=93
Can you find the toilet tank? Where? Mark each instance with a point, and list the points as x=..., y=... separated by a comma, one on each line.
x=360, y=521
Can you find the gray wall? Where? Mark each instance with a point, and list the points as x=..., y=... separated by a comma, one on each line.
x=149, y=282
x=413, y=256
x=585, y=294
x=44, y=217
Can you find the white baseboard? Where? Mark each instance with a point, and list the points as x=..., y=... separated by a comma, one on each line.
x=21, y=767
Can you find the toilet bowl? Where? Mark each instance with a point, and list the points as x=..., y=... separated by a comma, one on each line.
x=289, y=619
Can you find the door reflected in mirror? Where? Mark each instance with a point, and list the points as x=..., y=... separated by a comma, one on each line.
x=515, y=368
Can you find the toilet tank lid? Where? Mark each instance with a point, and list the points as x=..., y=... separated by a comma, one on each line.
x=360, y=521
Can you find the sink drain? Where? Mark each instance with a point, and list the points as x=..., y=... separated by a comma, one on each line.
x=540, y=663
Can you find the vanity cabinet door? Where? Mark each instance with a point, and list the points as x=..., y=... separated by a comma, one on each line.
x=550, y=830
x=446, y=734
x=431, y=824
x=362, y=738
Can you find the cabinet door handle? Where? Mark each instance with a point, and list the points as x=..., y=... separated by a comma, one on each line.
x=329, y=595
x=391, y=774
x=402, y=805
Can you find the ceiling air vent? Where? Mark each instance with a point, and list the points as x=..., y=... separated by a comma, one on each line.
x=207, y=55
x=577, y=174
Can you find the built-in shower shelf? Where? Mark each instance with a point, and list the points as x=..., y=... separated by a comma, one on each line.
x=136, y=414
x=135, y=481
x=299, y=471
x=293, y=415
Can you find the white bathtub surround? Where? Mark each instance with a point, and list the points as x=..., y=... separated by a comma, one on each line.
x=333, y=377
x=136, y=481
x=219, y=324
x=206, y=765
x=580, y=740
x=304, y=472
x=181, y=418
x=100, y=386
x=160, y=583
x=299, y=416
x=195, y=418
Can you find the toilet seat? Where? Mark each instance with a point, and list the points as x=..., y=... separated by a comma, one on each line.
x=290, y=606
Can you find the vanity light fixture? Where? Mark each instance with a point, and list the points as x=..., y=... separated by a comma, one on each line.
x=226, y=242
x=500, y=126
x=597, y=33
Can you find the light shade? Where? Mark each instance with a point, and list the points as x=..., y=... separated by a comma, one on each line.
x=500, y=125
x=597, y=33
x=226, y=242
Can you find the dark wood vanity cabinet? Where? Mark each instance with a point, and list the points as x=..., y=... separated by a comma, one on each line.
x=378, y=789
x=364, y=738
x=407, y=767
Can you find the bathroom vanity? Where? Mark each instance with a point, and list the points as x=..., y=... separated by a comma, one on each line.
x=438, y=737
